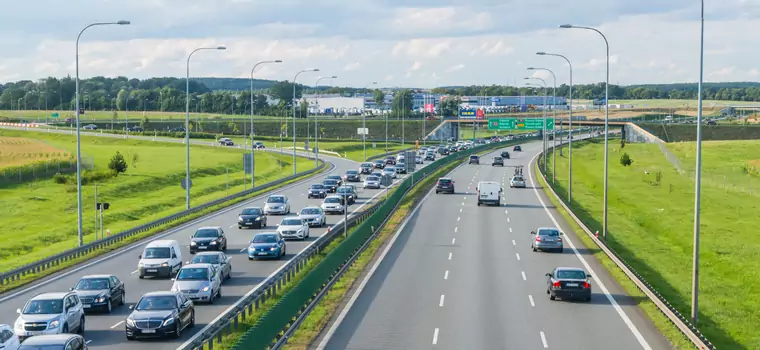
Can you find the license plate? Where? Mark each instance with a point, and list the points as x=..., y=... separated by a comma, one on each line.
x=31, y=334
x=572, y=284
x=149, y=331
x=86, y=306
x=202, y=247
x=152, y=270
x=262, y=253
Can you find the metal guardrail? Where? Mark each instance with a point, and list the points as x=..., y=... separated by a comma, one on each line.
x=55, y=260
x=680, y=321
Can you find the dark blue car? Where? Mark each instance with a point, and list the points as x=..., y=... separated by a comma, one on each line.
x=269, y=245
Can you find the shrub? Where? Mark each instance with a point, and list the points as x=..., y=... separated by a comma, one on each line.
x=117, y=164
x=626, y=160
x=60, y=179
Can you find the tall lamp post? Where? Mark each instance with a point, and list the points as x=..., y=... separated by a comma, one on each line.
x=294, y=114
x=364, y=120
x=79, y=140
x=253, y=146
x=316, y=123
x=554, y=121
x=187, y=121
x=543, y=82
x=606, y=122
x=570, y=135
x=698, y=175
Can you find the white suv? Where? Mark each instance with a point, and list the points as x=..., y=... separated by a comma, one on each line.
x=50, y=313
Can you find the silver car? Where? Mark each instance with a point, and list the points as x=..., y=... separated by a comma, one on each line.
x=50, y=313
x=314, y=216
x=294, y=228
x=547, y=238
x=333, y=204
x=219, y=260
x=390, y=171
x=198, y=282
x=372, y=182
x=517, y=181
x=277, y=204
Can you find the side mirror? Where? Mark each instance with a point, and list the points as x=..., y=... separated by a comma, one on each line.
x=533, y=232
x=131, y=307
x=191, y=236
x=548, y=275
x=139, y=256
x=588, y=276
x=18, y=311
x=174, y=256
x=72, y=288
x=561, y=233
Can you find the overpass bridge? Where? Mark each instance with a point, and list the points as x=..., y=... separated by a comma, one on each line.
x=449, y=127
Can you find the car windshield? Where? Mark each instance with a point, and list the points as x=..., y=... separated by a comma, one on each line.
x=206, y=259
x=548, y=232
x=344, y=190
x=92, y=284
x=156, y=253
x=387, y=170
x=193, y=273
x=317, y=187
x=352, y=172
x=291, y=222
x=206, y=233
x=332, y=200
x=251, y=211
x=167, y=302
x=366, y=165
x=310, y=211
x=265, y=239
x=41, y=347
x=276, y=199
x=334, y=177
x=372, y=178
x=571, y=274
x=44, y=307
x=331, y=182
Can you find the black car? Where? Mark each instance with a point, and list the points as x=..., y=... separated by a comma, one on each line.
x=352, y=176
x=474, y=159
x=317, y=191
x=259, y=145
x=348, y=194
x=453, y=149
x=331, y=185
x=366, y=168
x=336, y=178
x=135, y=129
x=505, y=154
x=443, y=151
x=517, y=148
x=497, y=161
x=208, y=238
x=54, y=341
x=567, y=283
x=160, y=314
x=430, y=156
x=379, y=164
x=177, y=129
x=445, y=185
x=100, y=292
x=390, y=160
x=224, y=141
x=252, y=217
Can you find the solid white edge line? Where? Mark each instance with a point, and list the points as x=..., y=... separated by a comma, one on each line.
x=543, y=339
x=118, y=324
x=525, y=278
x=446, y=275
x=440, y=303
x=632, y=327
x=532, y=303
x=435, y=336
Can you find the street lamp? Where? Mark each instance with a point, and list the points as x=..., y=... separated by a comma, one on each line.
x=364, y=120
x=606, y=123
x=294, y=114
x=253, y=147
x=316, y=124
x=544, y=128
x=554, y=120
x=79, y=143
x=187, y=121
x=698, y=175
x=570, y=146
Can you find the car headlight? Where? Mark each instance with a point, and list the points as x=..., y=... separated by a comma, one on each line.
x=258, y=218
x=55, y=324
x=169, y=321
x=240, y=218
x=213, y=242
x=192, y=243
x=19, y=323
x=130, y=322
x=273, y=248
x=205, y=289
x=101, y=299
x=164, y=264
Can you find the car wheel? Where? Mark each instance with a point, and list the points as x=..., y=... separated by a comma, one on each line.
x=239, y=227
x=552, y=297
x=177, y=330
x=141, y=276
x=80, y=331
x=533, y=248
x=65, y=328
x=123, y=298
x=192, y=320
x=130, y=338
x=478, y=203
x=588, y=298
x=219, y=293
x=109, y=307
x=561, y=250
x=250, y=258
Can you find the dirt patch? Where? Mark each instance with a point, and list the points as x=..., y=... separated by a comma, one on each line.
x=16, y=151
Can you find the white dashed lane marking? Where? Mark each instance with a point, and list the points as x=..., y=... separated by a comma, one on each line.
x=525, y=278
x=513, y=242
x=450, y=255
x=446, y=275
x=435, y=336
x=456, y=229
x=543, y=339
x=518, y=256
x=440, y=303
x=530, y=297
x=453, y=240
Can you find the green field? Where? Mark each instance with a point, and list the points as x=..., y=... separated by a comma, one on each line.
x=33, y=115
x=666, y=103
x=43, y=212
x=353, y=150
x=651, y=225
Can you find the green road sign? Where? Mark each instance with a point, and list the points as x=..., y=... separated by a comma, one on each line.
x=519, y=124
x=55, y=115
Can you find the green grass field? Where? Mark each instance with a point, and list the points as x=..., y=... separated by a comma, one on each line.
x=108, y=115
x=353, y=150
x=663, y=103
x=651, y=225
x=44, y=212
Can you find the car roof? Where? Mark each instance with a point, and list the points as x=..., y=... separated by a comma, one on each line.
x=95, y=276
x=197, y=265
x=49, y=339
x=162, y=293
x=208, y=228
x=259, y=208
x=310, y=207
x=564, y=268
x=444, y=178
x=265, y=234
x=161, y=243
x=547, y=228
x=50, y=295
x=207, y=253
x=276, y=195
x=333, y=196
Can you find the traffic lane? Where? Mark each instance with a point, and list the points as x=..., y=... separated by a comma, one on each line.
x=397, y=307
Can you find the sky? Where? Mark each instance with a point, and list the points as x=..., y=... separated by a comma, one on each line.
x=410, y=43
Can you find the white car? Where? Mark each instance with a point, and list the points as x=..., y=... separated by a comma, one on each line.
x=517, y=181
x=277, y=204
x=8, y=339
x=372, y=182
x=314, y=216
x=293, y=227
x=332, y=205
x=418, y=160
x=390, y=171
x=50, y=313
x=198, y=282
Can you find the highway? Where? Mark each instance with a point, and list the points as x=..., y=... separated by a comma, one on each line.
x=459, y=276
x=107, y=331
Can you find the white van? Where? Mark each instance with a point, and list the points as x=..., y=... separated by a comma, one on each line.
x=162, y=258
x=489, y=192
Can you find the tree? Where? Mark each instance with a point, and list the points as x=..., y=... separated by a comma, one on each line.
x=303, y=109
x=450, y=106
x=283, y=90
x=145, y=123
x=117, y=164
x=379, y=97
x=402, y=103
x=626, y=160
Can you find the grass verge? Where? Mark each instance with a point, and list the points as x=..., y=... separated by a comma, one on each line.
x=29, y=278
x=319, y=317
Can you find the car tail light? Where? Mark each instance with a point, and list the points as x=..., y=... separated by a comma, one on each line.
x=438, y=183
x=556, y=284
x=559, y=239
x=538, y=239
x=586, y=285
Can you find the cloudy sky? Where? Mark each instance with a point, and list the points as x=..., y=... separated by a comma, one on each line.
x=421, y=43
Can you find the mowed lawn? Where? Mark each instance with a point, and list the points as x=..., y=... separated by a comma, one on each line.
x=651, y=227
x=35, y=115
x=40, y=217
x=353, y=150
x=668, y=103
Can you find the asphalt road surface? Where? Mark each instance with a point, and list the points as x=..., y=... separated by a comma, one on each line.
x=107, y=331
x=462, y=277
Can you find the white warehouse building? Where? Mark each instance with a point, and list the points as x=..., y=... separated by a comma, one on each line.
x=334, y=104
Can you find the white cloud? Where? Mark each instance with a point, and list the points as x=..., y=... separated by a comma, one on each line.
x=455, y=68
x=650, y=41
